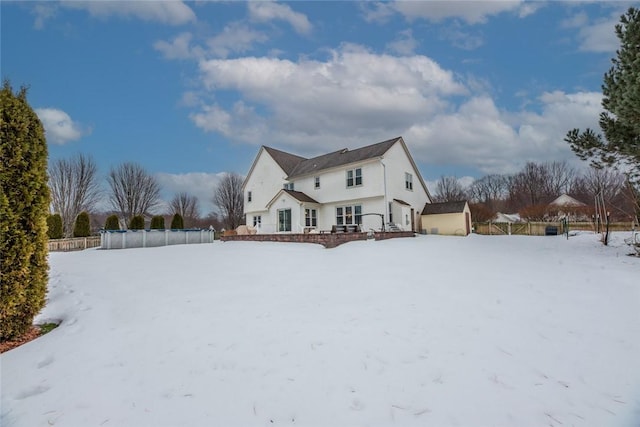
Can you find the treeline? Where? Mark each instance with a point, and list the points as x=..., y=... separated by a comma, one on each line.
x=530, y=191
x=132, y=195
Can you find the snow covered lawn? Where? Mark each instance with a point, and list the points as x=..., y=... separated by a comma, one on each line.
x=430, y=331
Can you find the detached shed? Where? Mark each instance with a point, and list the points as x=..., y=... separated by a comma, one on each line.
x=448, y=218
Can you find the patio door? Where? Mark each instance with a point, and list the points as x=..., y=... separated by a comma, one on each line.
x=284, y=220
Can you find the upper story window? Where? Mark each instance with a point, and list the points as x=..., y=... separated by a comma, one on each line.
x=288, y=186
x=354, y=177
x=408, y=181
x=249, y=196
x=316, y=182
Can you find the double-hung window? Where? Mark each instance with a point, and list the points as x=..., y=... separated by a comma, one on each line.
x=408, y=181
x=316, y=182
x=288, y=186
x=310, y=218
x=257, y=221
x=354, y=177
x=349, y=215
x=249, y=196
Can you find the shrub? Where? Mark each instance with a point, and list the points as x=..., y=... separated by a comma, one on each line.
x=157, y=222
x=177, y=223
x=534, y=212
x=24, y=207
x=137, y=223
x=112, y=223
x=54, y=226
x=82, y=227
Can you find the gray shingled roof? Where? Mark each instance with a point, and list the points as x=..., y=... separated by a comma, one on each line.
x=300, y=196
x=286, y=161
x=443, y=208
x=341, y=157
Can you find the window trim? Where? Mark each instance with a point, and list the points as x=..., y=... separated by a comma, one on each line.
x=354, y=175
x=310, y=217
x=408, y=181
x=284, y=221
x=355, y=215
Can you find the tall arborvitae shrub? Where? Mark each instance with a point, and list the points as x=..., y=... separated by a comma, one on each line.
x=137, y=223
x=54, y=226
x=177, y=223
x=82, y=227
x=112, y=223
x=157, y=222
x=24, y=207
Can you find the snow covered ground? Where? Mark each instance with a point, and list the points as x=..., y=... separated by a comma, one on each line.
x=431, y=331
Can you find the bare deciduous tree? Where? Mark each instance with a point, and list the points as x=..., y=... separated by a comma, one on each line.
x=229, y=199
x=133, y=191
x=74, y=188
x=539, y=183
x=448, y=189
x=187, y=206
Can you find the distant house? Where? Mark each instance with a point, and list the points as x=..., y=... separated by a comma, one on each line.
x=450, y=218
x=567, y=206
x=344, y=190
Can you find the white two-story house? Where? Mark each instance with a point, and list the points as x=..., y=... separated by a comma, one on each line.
x=345, y=190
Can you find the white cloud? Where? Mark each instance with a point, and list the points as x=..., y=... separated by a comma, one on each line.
x=59, y=127
x=179, y=48
x=198, y=184
x=404, y=44
x=472, y=12
x=235, y=38
x=43, y=12
x=167, y=12
x=599, y=36
x=354, y=91
x=461, y=39
x=265, y=11
x=356, y=97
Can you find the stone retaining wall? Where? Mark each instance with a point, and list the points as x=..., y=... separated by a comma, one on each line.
x=328, y=240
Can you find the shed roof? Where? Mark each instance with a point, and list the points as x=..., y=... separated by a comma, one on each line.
x=444, y=207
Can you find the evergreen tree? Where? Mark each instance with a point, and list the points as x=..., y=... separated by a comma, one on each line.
x=82, y=227
x=137, y=223
x=177, y=223
x=112, y=223
x=619, y=143
x=157, y=222
x=24, y=206
x=54, y=226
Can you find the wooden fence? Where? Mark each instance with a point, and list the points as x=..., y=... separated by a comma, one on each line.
x=74, y=244
x=540, y=228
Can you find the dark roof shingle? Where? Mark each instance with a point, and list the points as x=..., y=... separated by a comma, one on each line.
x=341, y=157
x=286, y=161
x=300, y=196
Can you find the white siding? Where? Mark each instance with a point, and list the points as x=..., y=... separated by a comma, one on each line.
x=266, y=179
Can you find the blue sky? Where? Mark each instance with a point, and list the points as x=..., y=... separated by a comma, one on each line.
x=192, y=89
